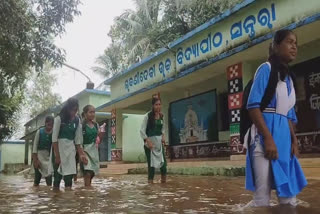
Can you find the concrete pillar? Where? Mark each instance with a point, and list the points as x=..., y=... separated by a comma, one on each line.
x=235, y=92
x=26, y=152
x=165, y=110
x=119, y=120
x=116, y=134
x=238, y=76
x=109, y=139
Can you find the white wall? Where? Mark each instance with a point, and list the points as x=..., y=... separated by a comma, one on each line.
x=132, y=144
x=12, y=153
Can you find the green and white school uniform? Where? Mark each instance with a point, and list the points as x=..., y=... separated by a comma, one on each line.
x=67, y=135
x=155, y=136
x=89, y=147
x=42, y=146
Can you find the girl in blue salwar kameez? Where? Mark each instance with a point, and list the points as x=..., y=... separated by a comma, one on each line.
x=271, y=156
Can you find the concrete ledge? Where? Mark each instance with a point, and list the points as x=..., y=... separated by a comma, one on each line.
x=200, y=171
x=25, y=172
x=12, y=168
x=103, y=165
x=238, y=157
x=310, y=166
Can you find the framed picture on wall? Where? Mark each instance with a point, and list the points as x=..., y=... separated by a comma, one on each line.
x=194, y=119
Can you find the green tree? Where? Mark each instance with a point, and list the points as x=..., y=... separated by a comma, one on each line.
x=111, y=62
x=135, y=35
x=138, y=31
x=153, y=25
x=39, y=95
x=27, y=29
x=8, y=115
x=182, y=16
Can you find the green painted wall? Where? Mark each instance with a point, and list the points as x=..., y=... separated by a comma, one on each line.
x=12, y=153
x=219, y=83
x=132, y=144
x=83, y=101
x=98, y=99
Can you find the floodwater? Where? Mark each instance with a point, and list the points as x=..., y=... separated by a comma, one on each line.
x=132, y=194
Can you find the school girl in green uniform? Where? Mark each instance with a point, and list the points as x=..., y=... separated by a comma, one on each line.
x=152, y=132
x=67, y=132
x=41, y=152
x=90, y=134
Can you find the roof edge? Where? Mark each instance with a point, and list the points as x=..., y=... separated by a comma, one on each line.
x=187, y=36
x=238, y=49
x=53, y=108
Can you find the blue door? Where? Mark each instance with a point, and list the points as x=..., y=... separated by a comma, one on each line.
x=104, y=147
x=103, y=150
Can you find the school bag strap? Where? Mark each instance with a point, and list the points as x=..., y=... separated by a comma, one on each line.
x=41, y=131
x=245, y=120
x=84, y=123
x=77, y=121
x=148, y=124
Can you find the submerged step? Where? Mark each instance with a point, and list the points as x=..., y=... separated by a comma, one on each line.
x=204, y=171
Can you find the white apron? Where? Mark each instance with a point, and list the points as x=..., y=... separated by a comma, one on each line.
x=156, y=155
x=43, y=157
x=93, y=157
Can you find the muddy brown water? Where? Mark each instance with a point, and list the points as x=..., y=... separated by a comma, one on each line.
x=132, y=194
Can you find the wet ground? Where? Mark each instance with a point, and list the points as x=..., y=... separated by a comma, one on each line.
x=131, y=194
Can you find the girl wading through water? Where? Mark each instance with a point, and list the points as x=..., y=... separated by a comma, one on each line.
x=90, y=131
x=272, y=155
x=41, y=152
x=152, y=132
x=67, y=132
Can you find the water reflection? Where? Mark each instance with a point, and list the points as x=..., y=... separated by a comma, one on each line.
x=131, y=194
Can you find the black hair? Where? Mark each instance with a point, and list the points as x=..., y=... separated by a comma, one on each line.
x=85, y=110
x=84, y=120
x=49, y=119
x=152, y=115
x=279, y=69
x=65, y=111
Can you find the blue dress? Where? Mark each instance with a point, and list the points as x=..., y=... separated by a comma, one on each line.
x=288, y=177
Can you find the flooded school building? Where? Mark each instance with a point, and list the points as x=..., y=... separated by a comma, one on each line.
x=201, y=76
x=87, y=96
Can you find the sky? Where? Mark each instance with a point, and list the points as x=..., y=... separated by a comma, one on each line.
x=85, y=39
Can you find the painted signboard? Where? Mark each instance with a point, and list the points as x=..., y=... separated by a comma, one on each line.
x=214, y=40
x=148, y=74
